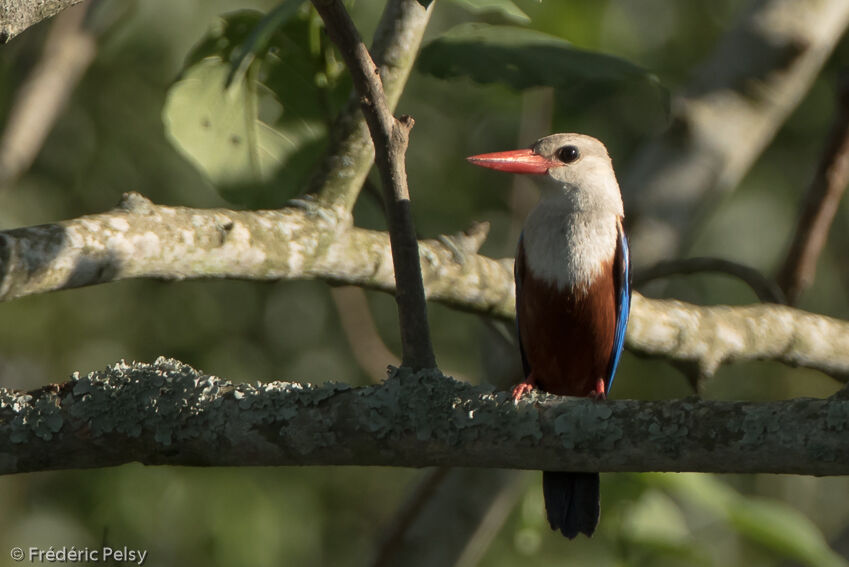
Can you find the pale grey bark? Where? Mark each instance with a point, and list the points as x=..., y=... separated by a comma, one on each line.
x=169, y=413
x=69, y=49
x=722, y=121
x=142, y=240
x=18, y=15
x=715, y=335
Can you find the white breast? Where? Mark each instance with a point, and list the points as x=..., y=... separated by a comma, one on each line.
x=568, y=248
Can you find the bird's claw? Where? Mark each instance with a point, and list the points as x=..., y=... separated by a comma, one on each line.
x=599, y=393
x=521, y=389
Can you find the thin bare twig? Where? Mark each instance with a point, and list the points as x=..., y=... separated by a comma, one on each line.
x=407, y=514
x=766, y=289
x=390, y=137
x=369, y=350
x=343, y=169
x=820, y=204
x=463, y=511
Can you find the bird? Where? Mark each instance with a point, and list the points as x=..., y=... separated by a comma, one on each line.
x=573, y=293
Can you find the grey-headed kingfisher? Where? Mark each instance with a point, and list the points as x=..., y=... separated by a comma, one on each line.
x=573, y=293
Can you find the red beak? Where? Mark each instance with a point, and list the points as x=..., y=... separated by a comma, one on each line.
x=515, y=161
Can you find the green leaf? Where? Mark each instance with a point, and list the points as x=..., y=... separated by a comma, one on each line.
x=218, y=129
x=770, y=523
x=656, y=518
x=784, y=530
x=523, y=58
x=256, y=134
x=225, y=36
x=505, y=8
x=657, y=527
x=257, y=43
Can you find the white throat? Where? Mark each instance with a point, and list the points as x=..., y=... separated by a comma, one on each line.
x=566, y=247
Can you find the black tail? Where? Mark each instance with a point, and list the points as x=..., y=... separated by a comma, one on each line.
x=571, y=502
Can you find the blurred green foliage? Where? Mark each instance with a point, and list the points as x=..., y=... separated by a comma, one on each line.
x=111, y=138
x=253, y=105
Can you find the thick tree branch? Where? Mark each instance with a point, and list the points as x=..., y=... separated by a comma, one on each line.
x=390, y=137
x=168, y=413
x=18, y=15
x=821, y=201
x=723, y=120
x=143, y=240
x=715, y=335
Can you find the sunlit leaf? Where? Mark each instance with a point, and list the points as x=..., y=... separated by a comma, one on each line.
x=218, y=128
x=256, y=134
x=505, y=8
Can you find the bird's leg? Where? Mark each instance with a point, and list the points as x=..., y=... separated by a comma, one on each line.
x=523, y=388
x=599, y=393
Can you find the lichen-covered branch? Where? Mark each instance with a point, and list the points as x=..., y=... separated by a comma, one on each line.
x=169, y=413
x=18, y=15
x=723, y=120
x=142, y=240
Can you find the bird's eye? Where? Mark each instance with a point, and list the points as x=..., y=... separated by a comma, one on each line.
x=568, y=154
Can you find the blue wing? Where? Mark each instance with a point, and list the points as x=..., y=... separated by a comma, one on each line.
x=518, y=273
x=622, y=275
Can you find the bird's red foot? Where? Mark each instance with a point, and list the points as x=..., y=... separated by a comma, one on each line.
x=523, y=388
x=599, y=393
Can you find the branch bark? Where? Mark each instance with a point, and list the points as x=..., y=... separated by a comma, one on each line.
x=345, y=165
x=169, y=413
x=69, y=49
x=18, y=15
x=390, y=137
x=723, y=120
x=142, y=240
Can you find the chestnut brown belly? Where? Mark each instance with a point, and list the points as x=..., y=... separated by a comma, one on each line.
x=567, y=338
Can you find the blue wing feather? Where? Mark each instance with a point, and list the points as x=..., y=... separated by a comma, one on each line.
x=623, y=303
x=517, y=276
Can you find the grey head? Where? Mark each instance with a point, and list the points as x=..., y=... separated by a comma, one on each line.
x=581, y=172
